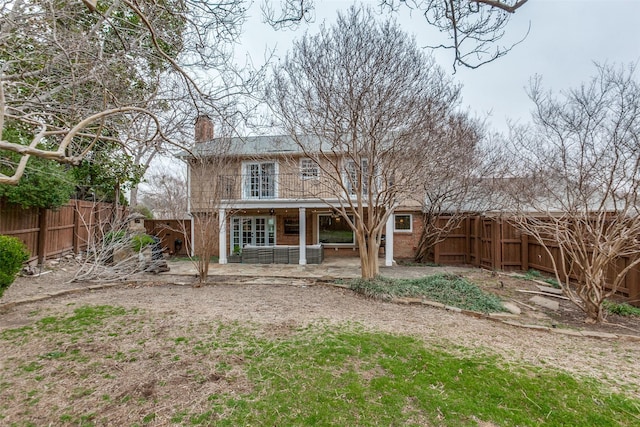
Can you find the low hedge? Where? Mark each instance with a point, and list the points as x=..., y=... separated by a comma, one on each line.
x=13, y=254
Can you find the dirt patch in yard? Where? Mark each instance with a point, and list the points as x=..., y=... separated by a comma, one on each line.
x=165, y=305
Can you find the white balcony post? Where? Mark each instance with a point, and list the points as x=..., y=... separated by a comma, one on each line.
x=303, y=236
x=388, y=245
x=222, y=239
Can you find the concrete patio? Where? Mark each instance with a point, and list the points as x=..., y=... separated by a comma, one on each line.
x=332, y=267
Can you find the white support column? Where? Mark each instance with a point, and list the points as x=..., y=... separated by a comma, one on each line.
x=303, y=236
x=222, y=239
x=388, y=245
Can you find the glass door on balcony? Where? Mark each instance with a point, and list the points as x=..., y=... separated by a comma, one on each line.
x=254, y=231
x=260, y=180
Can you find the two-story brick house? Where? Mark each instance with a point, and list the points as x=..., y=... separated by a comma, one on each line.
x=267, y=192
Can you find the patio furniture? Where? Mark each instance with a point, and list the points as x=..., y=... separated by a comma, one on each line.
x=281, y=254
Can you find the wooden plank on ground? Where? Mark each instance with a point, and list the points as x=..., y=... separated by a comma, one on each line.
x=542, y=293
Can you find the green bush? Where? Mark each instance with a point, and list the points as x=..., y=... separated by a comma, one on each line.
x=447, y=289
x=621, y=309
x=45, y=183
x=140, y=241
x=114, y=236
x=13, y=253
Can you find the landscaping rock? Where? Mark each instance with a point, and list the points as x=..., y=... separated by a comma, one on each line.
x=511, y=307
x=503, y=315
x=567, y=332
x=433, y=304
x=546, y=303
x=596, y=334
x=625, y=337
x=406, y=300
x=549, y=290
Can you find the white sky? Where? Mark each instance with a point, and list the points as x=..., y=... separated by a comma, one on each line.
x=566, y=37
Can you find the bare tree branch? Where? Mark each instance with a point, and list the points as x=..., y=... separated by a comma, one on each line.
x=475, y=27
x=64, y=64
x=581, y=157
x=362, y=101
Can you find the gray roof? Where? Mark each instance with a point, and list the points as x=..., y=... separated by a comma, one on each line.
x=253, y=145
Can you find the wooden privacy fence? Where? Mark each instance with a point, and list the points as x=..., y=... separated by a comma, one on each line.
x=52, y=232
x=171, y=232
x=495, y=244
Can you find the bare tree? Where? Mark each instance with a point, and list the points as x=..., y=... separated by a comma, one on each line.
x=361, y=100
x=174, y=111
x=166, y=196
x=208, y=162
x=73, y=75
x=475, y=27
x=452, y=176
x=582, y=157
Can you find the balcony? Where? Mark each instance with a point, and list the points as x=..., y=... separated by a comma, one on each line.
x=270, y=187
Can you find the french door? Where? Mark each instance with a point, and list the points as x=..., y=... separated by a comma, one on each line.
x=260, y=181
x=253, y=231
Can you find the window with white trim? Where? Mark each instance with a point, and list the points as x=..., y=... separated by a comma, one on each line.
x=352, y=173
x=259, y=180
x=402, y=223
x=334, y=230
x=309, y=169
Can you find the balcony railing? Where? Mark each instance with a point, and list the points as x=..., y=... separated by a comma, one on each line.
x=269, y=186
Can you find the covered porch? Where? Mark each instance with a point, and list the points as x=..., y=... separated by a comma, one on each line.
x=290, y=235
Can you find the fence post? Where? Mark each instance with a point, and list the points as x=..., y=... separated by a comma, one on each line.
x=42, y=235
x=524, y=251
x=496, y=228
x=76, y=227
x=633, y=285
x=477, y=240
x=467, y=240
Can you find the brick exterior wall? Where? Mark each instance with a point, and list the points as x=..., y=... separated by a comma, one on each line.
x=294, y=239
x=405, y=243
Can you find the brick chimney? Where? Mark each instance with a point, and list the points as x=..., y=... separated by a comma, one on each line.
x=203, y=129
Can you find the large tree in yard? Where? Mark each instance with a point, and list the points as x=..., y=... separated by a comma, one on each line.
x=78, y=76
x=582, y=159
x=370, y=100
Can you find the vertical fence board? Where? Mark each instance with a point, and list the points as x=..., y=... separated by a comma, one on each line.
x=169, y=232
x=48, y=233
x=22, y=224
x=492, y=243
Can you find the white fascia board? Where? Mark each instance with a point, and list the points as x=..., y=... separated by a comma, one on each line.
x=279, y=203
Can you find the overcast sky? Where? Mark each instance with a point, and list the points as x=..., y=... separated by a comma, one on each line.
x=566, y=37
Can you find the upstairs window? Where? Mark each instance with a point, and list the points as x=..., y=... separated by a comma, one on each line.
x=352, y=173
x=259, y=180
x=309, y=169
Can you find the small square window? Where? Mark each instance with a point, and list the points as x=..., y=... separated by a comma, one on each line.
x=402, y=222
x=309, y=169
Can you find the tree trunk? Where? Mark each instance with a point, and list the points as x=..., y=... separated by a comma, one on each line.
x=133, y=196
x=593, y=311
x=368, y=251
x=426, y=243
